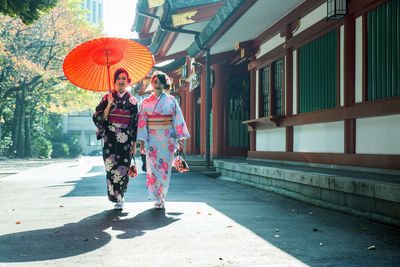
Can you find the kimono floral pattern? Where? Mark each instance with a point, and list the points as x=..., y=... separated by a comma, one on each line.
x=160, y=144
x=117, y=138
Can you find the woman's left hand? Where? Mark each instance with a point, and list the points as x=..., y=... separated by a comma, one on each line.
x=181, y=145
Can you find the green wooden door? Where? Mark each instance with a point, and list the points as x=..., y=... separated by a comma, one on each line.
x=238, y=110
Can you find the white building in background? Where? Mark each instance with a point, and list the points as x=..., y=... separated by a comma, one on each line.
x=95, y=8
x=80, y=124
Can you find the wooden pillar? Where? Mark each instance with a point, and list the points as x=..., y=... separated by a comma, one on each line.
x=190, y=117
x=219, y=111
x=183, y=105
x=289, y=89
x=203, y=114
x=349, y=83
x=252, y=107
x=182, y=95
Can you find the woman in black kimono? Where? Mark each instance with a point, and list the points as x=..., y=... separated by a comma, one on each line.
x=116, y=122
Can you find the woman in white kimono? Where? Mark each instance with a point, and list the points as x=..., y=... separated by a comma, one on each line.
x=161, y=129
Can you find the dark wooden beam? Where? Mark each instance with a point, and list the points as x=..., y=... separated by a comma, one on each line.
x=144, y=36
x=167, y=43
x=377, y=108
x=158, y=59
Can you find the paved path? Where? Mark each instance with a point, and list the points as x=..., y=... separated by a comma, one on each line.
x=14, y=166
x=58, y=215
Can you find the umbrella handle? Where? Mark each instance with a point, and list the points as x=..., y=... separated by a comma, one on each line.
x=108, y=74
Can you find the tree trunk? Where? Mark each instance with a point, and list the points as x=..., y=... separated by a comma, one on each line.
x=16, y=130
x=18, y=145
x=21, y=143
x=28, y=150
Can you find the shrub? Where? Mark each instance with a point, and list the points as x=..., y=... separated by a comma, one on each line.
x=41, y=147
x=75, y=150
x=60, y=150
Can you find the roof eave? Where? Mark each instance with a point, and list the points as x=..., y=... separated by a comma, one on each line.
x=141, y=5
x=215, y=26
x=177, y=63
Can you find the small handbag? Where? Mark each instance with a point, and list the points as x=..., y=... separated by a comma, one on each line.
x=132, y=171
x=180, y=162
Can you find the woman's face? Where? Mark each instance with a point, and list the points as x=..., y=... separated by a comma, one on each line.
x=122, y=82
x=158, y=86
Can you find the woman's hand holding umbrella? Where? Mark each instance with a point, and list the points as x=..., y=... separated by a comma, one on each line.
x=110, y=99
x=111, y=102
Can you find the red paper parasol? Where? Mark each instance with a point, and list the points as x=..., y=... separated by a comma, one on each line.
x=91, y=65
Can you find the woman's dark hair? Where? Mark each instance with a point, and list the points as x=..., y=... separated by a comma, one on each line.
x=164, y=79
x=118, y=72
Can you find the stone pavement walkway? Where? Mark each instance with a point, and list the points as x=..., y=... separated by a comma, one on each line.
x=14, y=166
x=58, y=215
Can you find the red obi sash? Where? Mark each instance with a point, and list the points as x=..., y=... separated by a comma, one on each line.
x=159, y=122
x=122, y=116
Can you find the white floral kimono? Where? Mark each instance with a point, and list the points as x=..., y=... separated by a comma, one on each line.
x=160, y=141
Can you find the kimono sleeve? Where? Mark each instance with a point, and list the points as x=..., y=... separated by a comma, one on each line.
x=97, y=118
x=142, y=131
x=179, y=123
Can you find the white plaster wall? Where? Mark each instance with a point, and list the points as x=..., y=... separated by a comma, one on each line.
x=257, y=90
x=295, y=82
x=322, y=138
x=379, y=135
x=359, y=51
x=341, y=66
x=312, y=18
x=154, y=25
x=284, y=84
x=271, y=44
x=271, y=140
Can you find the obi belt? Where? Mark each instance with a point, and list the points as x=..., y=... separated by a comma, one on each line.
x=159, y=122
x=122, y=116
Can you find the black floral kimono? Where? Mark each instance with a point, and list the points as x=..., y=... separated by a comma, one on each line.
x=118, y=130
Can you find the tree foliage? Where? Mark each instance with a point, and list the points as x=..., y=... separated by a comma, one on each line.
x=28, y=10
x=32, y=83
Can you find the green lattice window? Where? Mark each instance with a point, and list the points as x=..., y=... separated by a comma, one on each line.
x=265, y=88
x=278, y=87
x=383, y=33
x=318, y=74
x=272, y=89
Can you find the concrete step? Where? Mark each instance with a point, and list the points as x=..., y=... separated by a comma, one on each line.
x=212, y=174
x=198, y=162
x=377, y=199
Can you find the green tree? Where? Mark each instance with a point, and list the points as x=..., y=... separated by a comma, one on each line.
x=28, y=10
x=32, y=84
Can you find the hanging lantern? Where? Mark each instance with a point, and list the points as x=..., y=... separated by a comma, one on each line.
x=182, y=83
x=336, y=9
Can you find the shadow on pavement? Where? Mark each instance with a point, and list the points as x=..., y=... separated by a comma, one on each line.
x=96, y=185
x=81, y=237
x=308, y=233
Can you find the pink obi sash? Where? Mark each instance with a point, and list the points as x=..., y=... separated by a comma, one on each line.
x=159, y=122
x=122, y=116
